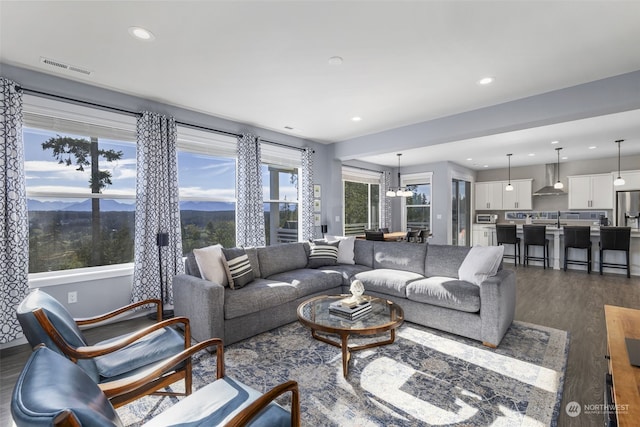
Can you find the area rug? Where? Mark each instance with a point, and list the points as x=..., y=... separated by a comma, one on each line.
x=425, y=378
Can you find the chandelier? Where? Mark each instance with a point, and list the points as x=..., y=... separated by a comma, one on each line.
x=399, y=191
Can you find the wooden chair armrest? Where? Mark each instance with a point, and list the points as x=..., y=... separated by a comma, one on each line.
x=248, y=413
x=91, y=320
x=66, y=418
x=125, y=385
x=88, y=352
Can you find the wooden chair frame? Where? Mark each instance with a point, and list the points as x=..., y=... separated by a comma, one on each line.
x=68, y=419
x=126, y=390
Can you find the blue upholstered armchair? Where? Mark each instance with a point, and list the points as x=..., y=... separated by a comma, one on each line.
x=112, y=363
x=52, y=391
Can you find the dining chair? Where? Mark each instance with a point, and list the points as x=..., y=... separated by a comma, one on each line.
x=53, y=391
x=113, y=364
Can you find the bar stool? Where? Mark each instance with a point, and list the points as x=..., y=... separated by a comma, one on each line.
x=506, y=234
x=577, y=237
x=535, y=235
x=615, y=239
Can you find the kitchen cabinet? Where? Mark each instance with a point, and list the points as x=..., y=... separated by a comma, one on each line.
x=520, y=197
x=481, y=235
x=591, y=191
x=488, y=195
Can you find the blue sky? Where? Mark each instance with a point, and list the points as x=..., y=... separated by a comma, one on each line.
x=200, y=177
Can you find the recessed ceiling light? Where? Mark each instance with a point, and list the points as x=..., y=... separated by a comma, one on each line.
x=565, y=158
x=469, y=159
x=335, y=60
x=485, y=166
x=555, y=142
x=486, y=81
x=593, y=147
x=141, y=33
x=288, y=128
x=531, y=154
x=356, y=119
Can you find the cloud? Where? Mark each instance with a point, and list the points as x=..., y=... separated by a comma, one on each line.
x=223, y=194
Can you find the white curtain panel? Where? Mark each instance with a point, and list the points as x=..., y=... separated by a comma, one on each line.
x=250, y=230
x=157, y=207
x=306, y=204
x=385, y=202
x=14, y=217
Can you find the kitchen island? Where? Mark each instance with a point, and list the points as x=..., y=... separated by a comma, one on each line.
x=556, y=249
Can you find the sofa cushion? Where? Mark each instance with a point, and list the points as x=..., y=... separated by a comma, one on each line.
x=346, y=253
x=258, y=295
x=387, y=281
x=321, y=254
x=211, y=264
x=346, y=271
x=446, y=292
x=279, y=258
x=481, y=263
x=363, y=252
x=238, y=267
x=309, y=281
x=444, y=260
x=399, y=256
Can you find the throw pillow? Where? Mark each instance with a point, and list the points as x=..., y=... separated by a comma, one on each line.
x=346, y=249
x=211, y=264
x=238, y=267
x=480, y=263
x=322, y=254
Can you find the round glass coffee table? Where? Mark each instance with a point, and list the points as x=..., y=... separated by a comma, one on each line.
x=384, y=316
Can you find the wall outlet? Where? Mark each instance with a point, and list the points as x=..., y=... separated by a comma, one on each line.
x=72, y=297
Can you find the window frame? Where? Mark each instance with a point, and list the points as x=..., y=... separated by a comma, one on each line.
x=54, y=115
x=362, y=176
x=420, y=178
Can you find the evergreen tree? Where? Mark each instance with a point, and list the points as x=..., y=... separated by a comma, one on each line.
x=86, y=153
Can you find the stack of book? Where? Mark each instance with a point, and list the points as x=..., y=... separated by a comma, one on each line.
x=350, y=310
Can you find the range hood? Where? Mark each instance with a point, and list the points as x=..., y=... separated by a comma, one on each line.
x=548, y=190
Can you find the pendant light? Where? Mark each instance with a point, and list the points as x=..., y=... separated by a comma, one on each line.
x=400, y=192
x=558, y=185
x=509, y=187
x=619, y=180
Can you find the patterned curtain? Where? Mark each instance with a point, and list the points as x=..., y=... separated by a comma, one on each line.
x=157, y=207
x=250, y=229
x=385, y=202
x=306, y=203
x=14, y=219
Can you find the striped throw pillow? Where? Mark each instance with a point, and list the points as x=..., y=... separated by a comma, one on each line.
x=238, y=267
x=322, y=254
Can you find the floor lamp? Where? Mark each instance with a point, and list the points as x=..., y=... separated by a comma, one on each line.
x=162, y=239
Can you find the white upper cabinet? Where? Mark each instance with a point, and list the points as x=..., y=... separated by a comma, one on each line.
x=491, y=195
x=488, y=195
x=591, y=191
x=520, y=197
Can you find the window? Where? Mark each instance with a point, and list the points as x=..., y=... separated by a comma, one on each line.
x=206, y=180
x=280, y=173
x=361, y=191
x=417, y=209
x=80, y=167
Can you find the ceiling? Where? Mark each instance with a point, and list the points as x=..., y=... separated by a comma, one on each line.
x=267, y=63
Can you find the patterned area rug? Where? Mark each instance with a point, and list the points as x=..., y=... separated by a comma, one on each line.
x=426, y=377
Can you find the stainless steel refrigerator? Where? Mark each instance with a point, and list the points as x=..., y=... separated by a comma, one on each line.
x=628, y=208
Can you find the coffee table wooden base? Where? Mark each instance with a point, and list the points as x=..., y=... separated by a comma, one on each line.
x=343, y=344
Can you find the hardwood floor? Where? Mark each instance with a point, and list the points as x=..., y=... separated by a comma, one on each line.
x=572, y=301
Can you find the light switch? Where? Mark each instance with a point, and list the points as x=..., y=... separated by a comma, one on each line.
x=439, y=216
x=337, y=218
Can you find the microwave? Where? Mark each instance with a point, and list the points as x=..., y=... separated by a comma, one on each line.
x=486, y=219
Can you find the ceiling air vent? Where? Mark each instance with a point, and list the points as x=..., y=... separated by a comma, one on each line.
x=62, y=66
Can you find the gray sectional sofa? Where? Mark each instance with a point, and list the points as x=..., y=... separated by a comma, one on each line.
x=422, y=279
